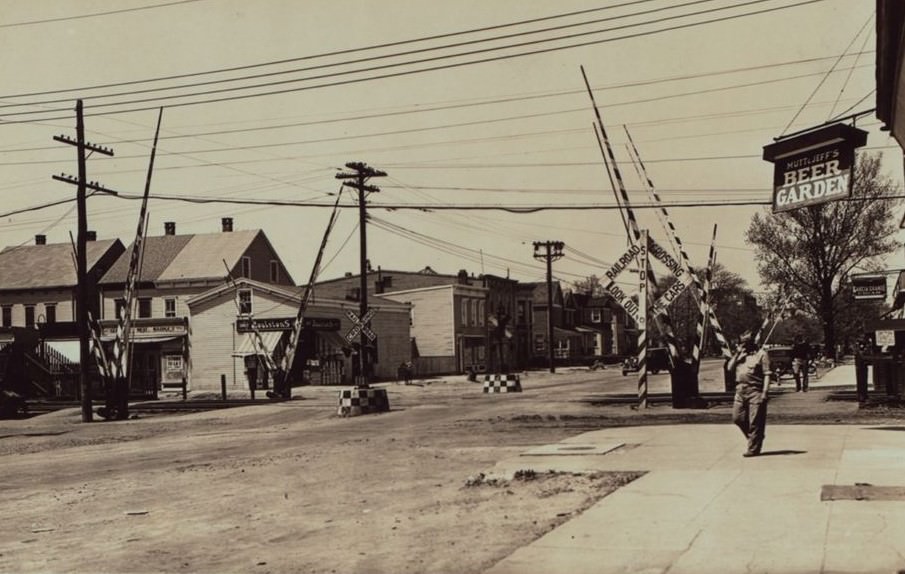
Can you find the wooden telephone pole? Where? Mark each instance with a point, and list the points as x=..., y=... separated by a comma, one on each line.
x=357, y=179
x=84, y=291
x=549, y=251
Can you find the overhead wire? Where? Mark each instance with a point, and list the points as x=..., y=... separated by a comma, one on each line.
x=382, y=57
x=95, y=14
x=437, y=67
x=827, y=75
x=336, y=52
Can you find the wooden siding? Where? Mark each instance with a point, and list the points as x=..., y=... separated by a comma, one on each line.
x=158, y=301
x=62, y=298
x=214, y=337
x=261, y=253
x=433, y=327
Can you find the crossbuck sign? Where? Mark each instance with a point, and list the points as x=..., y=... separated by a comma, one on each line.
x=661, y=304
x=360, y=326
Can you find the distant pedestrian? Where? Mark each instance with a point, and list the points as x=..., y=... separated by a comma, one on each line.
x=749, y=409
x=409, y=371
x=801, y=359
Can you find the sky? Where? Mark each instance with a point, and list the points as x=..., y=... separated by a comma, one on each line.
x=462, y=104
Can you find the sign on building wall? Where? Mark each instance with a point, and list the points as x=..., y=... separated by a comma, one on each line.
x=815, y=167
x=866, y=287
x=246, y=325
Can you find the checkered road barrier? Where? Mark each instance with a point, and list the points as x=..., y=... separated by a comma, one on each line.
x=359, y=401
x=502, y=384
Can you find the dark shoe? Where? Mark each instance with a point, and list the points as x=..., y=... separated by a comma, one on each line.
x=748, y=453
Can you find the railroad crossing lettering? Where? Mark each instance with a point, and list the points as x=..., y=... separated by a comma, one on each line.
x=360, y=326
x=619, y=295
x=676, y=289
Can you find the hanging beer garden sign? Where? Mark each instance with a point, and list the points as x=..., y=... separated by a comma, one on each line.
x=814, y=167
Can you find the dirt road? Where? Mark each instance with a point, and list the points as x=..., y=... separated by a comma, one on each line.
x=290, y=487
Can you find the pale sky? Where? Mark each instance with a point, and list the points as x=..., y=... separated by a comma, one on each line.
x=511, y=132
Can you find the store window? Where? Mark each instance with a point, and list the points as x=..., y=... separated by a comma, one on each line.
x=540, y=344
x=169, y=307
x=173, y=363
x=29, y=315
x=596, y=316
x=464, y=305
x=7, y=316
x=481, y=312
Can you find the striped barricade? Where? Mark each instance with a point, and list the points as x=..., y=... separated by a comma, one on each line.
x=361, y=401
x=502, y=384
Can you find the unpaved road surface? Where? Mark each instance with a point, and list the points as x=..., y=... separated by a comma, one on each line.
x=290, y=487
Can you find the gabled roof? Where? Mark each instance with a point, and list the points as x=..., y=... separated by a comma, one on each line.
x=291, y=295
x=48, y=266
x=185, y=257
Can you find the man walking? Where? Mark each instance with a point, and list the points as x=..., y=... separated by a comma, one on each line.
x=749, y=409
x=801, y=357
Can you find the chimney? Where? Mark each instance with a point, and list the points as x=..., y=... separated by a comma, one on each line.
x=40, y=240
x=462, y=277
x=91, y=236
x=227, y=224
x=169, y=228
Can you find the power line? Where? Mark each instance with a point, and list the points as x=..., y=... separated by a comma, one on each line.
x=329, y=54
x=436, y=67
x=95, y=14
x=380, y=57
x=420, y=109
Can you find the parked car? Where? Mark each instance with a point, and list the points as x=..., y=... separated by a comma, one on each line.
x=657, y=360
x=781, y=361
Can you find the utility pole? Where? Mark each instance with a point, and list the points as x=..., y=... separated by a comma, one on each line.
x=361, y=173
x=550, y=251
x=84, y=292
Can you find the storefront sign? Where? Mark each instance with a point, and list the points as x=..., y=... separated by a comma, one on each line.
x=142, y=331
x=246, y=325
x=814, y=168
x=869, y=287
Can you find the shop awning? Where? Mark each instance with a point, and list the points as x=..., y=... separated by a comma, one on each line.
x=333, y=339
x=69, y=349
x=247, y=347
x=142, y=338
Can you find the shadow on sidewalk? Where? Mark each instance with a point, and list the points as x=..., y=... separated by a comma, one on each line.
x=781, y=452
x=886, y=428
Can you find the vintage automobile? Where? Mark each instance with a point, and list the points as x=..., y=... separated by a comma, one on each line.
x=781, y=361
x=657, y=360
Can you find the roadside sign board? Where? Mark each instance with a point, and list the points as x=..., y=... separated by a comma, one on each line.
x=815, y=167
x=867, y=287
x=885, y=338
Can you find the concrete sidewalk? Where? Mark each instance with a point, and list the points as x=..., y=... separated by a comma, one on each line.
x=703, y=508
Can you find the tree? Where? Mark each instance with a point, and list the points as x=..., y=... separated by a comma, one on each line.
x=591, y=285
x=810, y=253
x=733, y=302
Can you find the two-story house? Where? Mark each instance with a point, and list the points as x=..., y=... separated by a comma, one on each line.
x=174, y=269
x=38, y=290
